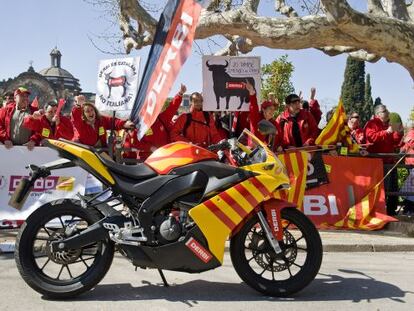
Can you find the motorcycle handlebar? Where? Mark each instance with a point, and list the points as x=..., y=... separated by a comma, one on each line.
x=224, y=145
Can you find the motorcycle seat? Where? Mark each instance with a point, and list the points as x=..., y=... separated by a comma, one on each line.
x=139, y=171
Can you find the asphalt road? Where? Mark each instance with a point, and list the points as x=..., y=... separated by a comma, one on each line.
x=367, y=281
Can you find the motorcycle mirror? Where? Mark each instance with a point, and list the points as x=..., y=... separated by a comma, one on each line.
x=266, y=127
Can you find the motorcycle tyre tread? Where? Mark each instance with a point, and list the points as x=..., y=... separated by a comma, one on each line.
x=278, y=288
x=25, y=267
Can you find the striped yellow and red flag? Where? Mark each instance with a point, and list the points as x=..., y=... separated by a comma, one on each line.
x=337, y=130
x=296, y=164
x=363, y=216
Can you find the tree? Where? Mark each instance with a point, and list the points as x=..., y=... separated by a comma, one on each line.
x=368, y=110
x=332, y=26
x=276, y=78
x=353, y=87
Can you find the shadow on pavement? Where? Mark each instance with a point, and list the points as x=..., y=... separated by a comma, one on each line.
x=325, y=288
x=5, y=256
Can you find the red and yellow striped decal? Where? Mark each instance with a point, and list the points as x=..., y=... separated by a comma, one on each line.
x=218, y=216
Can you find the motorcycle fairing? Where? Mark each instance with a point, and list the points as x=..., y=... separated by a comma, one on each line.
x=177, y=154
x=175, y=256
x=220, y=215
x=79, y=153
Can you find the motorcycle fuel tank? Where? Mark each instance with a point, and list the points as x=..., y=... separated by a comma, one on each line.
x=177, y=154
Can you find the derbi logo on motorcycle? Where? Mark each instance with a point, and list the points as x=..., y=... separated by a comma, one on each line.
x=199, y=250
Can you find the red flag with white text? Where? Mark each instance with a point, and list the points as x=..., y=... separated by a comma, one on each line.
x=172, y=45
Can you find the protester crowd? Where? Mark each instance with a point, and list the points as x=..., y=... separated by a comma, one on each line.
x=297, y=126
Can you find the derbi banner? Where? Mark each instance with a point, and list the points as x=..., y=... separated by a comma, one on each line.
x=353, y=199
x=172, y=45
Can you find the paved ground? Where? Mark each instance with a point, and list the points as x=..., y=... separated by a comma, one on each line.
x=333, y=241
x=347, y=281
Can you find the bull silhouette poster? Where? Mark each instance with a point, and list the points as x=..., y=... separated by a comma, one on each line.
x=117, y=84
x=224, y=82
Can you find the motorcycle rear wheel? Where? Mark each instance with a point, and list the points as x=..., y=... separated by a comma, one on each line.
x=261, y=268
x=60, y=275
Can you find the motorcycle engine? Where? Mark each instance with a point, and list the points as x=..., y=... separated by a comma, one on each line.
x=170, y=229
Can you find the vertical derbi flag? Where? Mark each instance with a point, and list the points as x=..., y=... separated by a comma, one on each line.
x=172, y=45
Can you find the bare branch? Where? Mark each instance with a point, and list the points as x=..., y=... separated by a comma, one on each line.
x=358, y=54
x=375, y=8
x=280, y=6
x=251, y=5
x=146, y=25
x=396, y=9
x=235, y=46
x=341, y=30
x=410, y=10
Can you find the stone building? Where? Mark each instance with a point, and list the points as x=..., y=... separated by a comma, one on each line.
x=48, y=84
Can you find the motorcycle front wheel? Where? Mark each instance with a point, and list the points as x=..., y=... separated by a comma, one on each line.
x=278, y=275
x=61, y=274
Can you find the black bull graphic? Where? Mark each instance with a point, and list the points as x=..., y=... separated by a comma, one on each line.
x=227, y=86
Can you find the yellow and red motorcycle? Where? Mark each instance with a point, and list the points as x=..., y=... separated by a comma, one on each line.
x=174, y=212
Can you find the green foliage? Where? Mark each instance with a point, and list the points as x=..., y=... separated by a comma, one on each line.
x=368, y=102
x=353, y=87
x=402, y=176
x=395, y=118
x=412, y=115
x=276, y=78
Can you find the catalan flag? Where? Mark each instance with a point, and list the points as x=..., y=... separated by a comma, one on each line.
x=337, y=131
x=296, y=164
x=362, y=215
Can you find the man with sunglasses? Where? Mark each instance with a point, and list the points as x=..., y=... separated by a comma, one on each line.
x=197, y=126
x=298, y=125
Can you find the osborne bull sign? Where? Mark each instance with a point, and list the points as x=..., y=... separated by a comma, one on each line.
x=224, y=82
x=117, y=84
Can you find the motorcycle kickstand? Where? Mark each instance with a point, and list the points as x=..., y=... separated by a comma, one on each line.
x=163, y=278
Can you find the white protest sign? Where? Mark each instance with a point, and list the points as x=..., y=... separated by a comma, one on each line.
x=63, y=183
x=224, y=82
x=117, y=84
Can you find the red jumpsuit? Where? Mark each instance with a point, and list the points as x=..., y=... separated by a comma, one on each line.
x=44, y=129
x=93, y=135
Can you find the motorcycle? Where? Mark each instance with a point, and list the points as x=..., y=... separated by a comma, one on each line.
x=174, y=212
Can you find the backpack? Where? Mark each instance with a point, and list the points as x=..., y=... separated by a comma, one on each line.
x=190, y=119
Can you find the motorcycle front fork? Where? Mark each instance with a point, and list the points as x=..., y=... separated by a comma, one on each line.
x=269, y=234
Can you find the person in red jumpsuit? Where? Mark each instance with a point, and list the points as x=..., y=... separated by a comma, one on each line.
x=197, y=126
x=298, y=125
x=47, y=124
x=159, y=133
x=90, y=126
